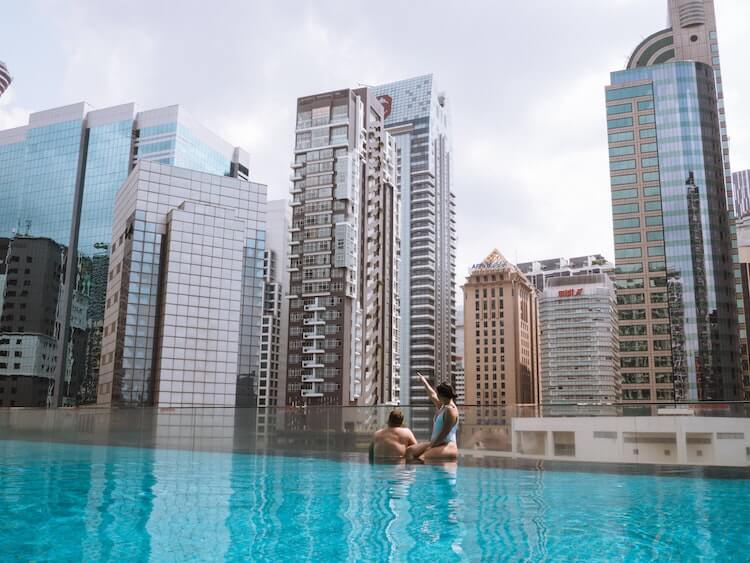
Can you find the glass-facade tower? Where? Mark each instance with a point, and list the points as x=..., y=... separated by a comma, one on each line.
x=673, y=252
x=58, y=179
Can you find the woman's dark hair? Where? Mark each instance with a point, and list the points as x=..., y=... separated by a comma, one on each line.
x=446, y=390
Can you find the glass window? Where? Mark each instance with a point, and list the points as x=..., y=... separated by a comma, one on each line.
x=651, y=191
x=646, y=119
x=619, y=108
x=629, y=92
x=632, y=315
x=634, y=330
x=654, y=221
x=622, y=122
x=632, y=283
x=622, y=253
x=653, y=206
x=647, y=133
x=648, y=147
x=650, y=161
x=631, y=299
x=622, y=151
x=715, y=60
x=628, y=238
x=658, y=298
x=627, y=223
x=660, y=313
x=629, y=269
x=621, y=136
x=657, y=266
x=625, y=208
x=654, y=235
x=622, y=165
x=634, y=346
x=625, y=194
x=712, y=35
x=623, y=179
x=645, y=104
x=656, y=250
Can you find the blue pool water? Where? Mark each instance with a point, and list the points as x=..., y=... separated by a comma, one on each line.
x=70, y=502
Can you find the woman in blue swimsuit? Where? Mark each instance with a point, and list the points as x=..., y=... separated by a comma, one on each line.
x=442, y=445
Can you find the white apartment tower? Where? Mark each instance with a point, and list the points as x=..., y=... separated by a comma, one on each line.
x=344, y=254
x=417, y=115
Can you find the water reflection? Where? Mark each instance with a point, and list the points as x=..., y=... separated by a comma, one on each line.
x=72, y=502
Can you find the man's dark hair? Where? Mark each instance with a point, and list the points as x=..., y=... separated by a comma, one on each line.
x=446, y=390
x=396, y=418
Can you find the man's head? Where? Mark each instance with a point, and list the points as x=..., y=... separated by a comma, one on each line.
x=445, y=392
x=396, y=418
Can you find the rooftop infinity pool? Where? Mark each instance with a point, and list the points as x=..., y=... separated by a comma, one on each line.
x=93, y=503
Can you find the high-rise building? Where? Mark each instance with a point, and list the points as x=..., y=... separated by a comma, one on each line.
x=58, y=179
x=31, y=273
x=741, y=185
x=539, y=272
x=501, y=335
x=675, y=239
x=275, y=325
x=417, y=115
x=5, y=78
x=579, y=340
x=182, y=321
x=344, y=254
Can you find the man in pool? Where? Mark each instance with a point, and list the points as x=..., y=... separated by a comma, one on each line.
x=391, y=442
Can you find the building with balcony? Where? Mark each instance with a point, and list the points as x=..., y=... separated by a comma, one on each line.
x=673, y=213
x=579, y=341
x=344, y=254
x=417, y=115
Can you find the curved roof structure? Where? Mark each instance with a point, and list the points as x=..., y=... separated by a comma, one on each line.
x=657, y=48
x=5, y=78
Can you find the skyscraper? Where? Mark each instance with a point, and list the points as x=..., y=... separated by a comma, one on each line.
x=275, y=324
x=58, y=179
x=673, y=215
x=5, y=78
x=185, y=270
x=417, y=115
x=501, y=335
x=344, y=254
x=579, y=340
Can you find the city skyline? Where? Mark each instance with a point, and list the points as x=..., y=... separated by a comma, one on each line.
x=252, y=111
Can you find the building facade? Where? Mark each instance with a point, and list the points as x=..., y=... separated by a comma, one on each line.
x=31, y=274
x=539, y=272
x=417, y=115
x=182, y=320
x=677, y=70
x=741, y=186
x=275, y=325
x=344, y=254
x=58, y=179
x=459, y=374
x=672, y=235
x=501, y=335
x=579, y=341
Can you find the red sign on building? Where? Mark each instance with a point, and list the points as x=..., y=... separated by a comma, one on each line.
x=387, y=102
x=570, y=292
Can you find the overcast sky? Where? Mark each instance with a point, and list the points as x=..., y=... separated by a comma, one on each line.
x=525, y=80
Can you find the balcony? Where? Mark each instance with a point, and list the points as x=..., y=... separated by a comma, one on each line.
x=312, y=378
x=312, y=336
x=310, y=393
x=312, y=364
x=313, y=322
x=312, y=350
x=314, y=306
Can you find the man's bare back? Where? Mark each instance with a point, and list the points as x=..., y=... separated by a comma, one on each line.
x=391, y=442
